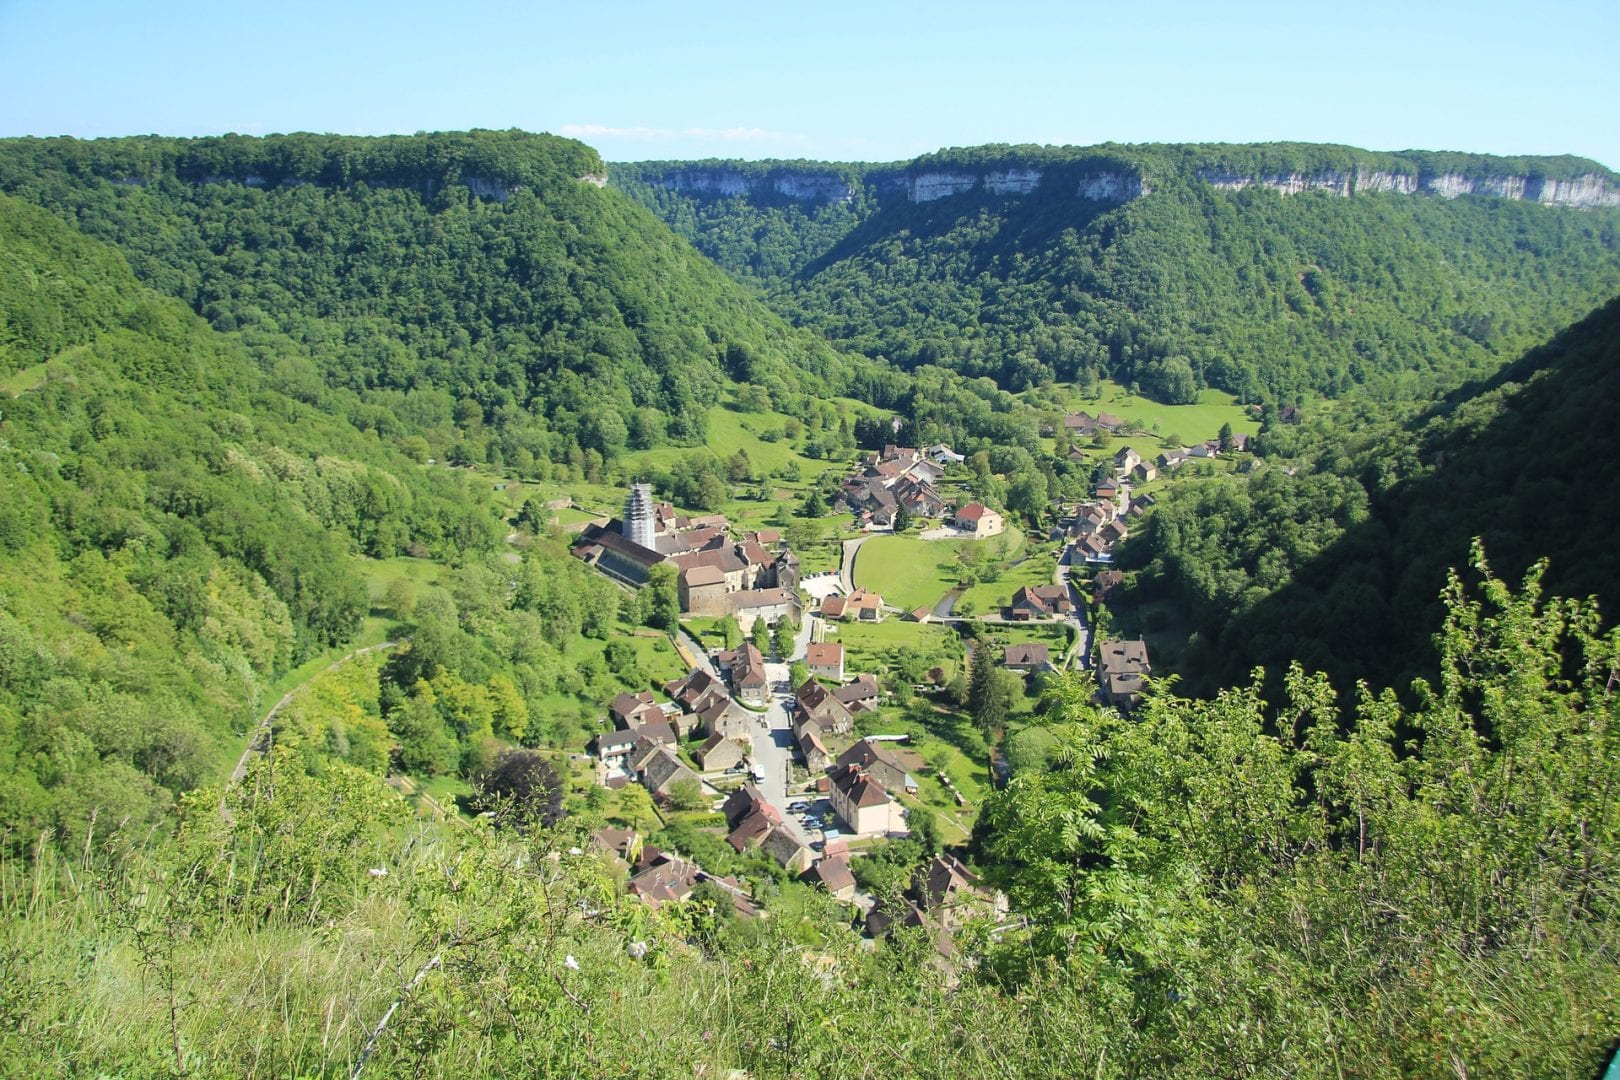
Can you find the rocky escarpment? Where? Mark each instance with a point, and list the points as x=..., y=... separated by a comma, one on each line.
x=1110, y=179
x=1582, y=192
x=732, y=183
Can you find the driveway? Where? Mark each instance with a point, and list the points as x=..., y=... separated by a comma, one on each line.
x=846, y=572
x=1082, y=631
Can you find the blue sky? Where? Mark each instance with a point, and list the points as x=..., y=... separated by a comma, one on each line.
x=831, y=80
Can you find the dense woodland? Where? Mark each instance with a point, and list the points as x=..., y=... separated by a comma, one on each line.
x=226, y=364
x=1268, y=297
x=1335, y=552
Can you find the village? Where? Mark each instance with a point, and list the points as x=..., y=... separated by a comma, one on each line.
x=778, y=738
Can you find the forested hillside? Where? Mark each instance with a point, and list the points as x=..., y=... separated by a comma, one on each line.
x=478, y=288
x=1335, y=552
x=178, y=532
x=1172, y=267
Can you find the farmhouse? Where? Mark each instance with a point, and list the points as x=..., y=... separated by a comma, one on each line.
x=825, y=660
x=860, y=605
x=863, y=804
x=977, y=520
x=1033, y=656
x=1122, y=671
x=1040, y=602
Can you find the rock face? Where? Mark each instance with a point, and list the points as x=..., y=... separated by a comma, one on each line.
x=1581, y=192
x=928, y=186
x=1111, y=187
x=731, y=184
x=1105, y=181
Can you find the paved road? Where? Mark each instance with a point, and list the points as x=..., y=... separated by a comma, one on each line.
x=773, y=737
x=698, y=652
x=1081, y=655
x=846, y=572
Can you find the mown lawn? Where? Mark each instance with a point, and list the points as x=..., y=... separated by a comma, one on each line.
x=911, y=573
x=989, y=597
x=1192, y=422
x=870, y=647
x=908, y=572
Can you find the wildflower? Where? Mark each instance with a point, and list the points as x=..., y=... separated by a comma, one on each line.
x=378, y=871
x=570, y=963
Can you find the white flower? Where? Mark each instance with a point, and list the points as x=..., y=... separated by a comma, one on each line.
x=575, y=851
x=637, y=949
x=378, y=871
x=570, y=963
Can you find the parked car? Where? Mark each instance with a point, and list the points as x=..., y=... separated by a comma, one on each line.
x=798, y=807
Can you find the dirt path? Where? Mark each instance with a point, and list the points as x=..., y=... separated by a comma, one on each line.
x=408, y=787
x=260, y=741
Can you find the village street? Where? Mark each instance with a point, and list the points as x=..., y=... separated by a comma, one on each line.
x=773, y=739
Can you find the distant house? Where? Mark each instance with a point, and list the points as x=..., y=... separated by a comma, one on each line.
x=977, y=520
x=814, y=704
x=1114, y=531
x=663, y=878
x=752, y=829
x=1122, y=672
x=1107, y=490
x=1033, y=656
x=825, y=660
x=662, y=770
x=707, y=707
x=634, y=710
x=1126, y=459
x=879, y=763
x=1240, y=442
x=703, y=591
x=833, y=875
x=746, y=800
x=811, y=748
x=746, y=667
x=1171, y=459
x=1104, y=583
x=784, y=848
x=719, y=752
x=863, y=804
x=921, y=615
x=613, y=747
x=1040, y=602
x=860, y=605
x=620, y=843
x=943, y=896
x=860, y=694
x=1145, y=473
x=771, y=605
x=943, y=455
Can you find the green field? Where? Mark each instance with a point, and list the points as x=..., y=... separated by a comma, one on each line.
x=870, y=647
x=1192, y=423
x=912, y=573
x=989, y=597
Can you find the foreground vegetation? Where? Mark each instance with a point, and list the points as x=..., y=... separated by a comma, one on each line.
x=1217, y=888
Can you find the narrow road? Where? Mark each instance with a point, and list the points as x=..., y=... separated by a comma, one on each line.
x=846, y=572
x=259, y=742
x=1081, y=650
x=699, y=654
x=773, y=738
x=263, y=736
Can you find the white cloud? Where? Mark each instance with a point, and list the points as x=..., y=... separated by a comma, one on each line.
x=648, y=134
